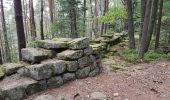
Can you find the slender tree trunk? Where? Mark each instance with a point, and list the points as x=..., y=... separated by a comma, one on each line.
x=104, y=12
x=159, y=24
x=144, y=30
x=96, y=15
x=130, y=25
x=73, y=19
x=19, y=26
x=32, y=20
x=4, y=29
x=41, y=21
x=51, y=10
x=151, y=23
x=143, y=9
x=84, y=30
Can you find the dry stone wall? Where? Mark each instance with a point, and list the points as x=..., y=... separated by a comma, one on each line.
x=50, y=65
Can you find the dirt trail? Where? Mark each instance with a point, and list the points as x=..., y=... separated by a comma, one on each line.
x=138, y=82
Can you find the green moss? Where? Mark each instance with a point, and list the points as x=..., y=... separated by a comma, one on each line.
x=131, y=56
x=2, y=74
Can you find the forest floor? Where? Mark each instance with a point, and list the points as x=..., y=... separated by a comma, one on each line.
x=119, y=81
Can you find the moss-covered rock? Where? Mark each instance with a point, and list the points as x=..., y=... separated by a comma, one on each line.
x=79, y=43
x=83, y=73
x=11, y=68
x=50, y=44
x=70, y=54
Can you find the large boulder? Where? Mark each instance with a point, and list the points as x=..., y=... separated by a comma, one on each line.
x=70, y=54
x=84, y=61
x=54, y=82
x=11, y=68
x=59, y=67
x=83, y=73
x=79, y=43
x=72, y=66
x=51, y=44
x=68, y=77
x=39, y=71
x=15, y=87
x=36, y=55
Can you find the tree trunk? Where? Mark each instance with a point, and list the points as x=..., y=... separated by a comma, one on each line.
x=32, y=20
x=143, y=9
x=144, y=30
x=41, y=20
x=19, y=26
x=73, y=20
x=5, y=38
x=84, y=30
x=130, y=25
x=159, y=24
x=104, y=12
x=96, y=15
x=151, y=23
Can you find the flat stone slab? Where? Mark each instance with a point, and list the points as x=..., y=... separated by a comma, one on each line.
x=70, y=54
x=36, y=55
x=11, y=68
x=51, y=44
x=79, y=43
x=62, y=39
x=16, y=87
x=39, y=71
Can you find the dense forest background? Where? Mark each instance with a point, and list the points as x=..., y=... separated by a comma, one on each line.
x=46, y=19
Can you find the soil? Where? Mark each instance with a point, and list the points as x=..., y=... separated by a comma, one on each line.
x=147, y=81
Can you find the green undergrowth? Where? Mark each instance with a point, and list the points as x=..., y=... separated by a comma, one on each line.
x=131, y=56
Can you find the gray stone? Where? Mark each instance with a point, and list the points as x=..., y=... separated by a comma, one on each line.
x=92, y=58
x=11, y=68
x=83, y=73
x=98, y=96
x=84, y=61
x=54, y=82
x=79, y=43
x=72, y=66
x=14, y=87
x=94, y=72
x=38, y=71
x=70, y=54
x=59, y=67
x=62, y=39
x=93, y=66
x=36, y=55
x=68, y=77
x=36, y=87
x=50, y=44
x=88, y=51
x=45, y=97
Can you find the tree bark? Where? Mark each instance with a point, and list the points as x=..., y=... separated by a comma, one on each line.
x=4, y=29
x=41, y=20
x=144, y=30
x=51, y=10
x=143, y=9
x=32, y=20
x=130, y=25
x=84, y=30
x=159, y=24
x=19, y=26
x=151, y=23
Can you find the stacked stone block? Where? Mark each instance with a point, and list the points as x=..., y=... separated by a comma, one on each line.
x=52, y=64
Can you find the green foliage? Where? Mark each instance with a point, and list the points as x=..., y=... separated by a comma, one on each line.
x=131, y=56
x=113, y=14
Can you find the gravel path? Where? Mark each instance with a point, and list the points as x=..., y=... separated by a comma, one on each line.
x=138, y=82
